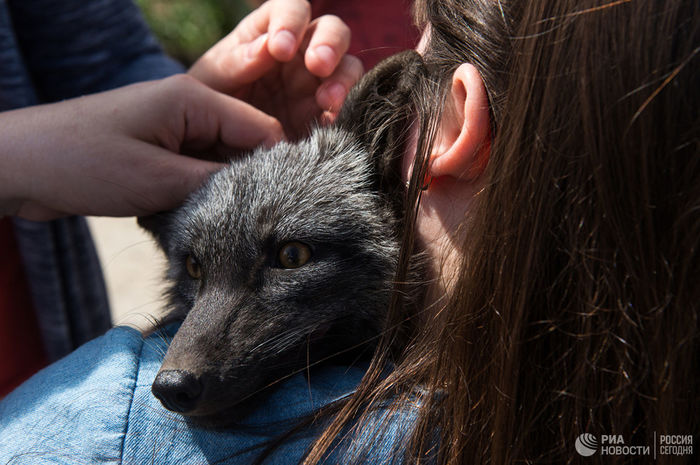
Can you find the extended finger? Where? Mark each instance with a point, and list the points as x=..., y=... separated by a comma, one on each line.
x=289, y=20
x=269, y=34
x=228, y=68
x=328, y=43
x=272, y=12
x=331, y=94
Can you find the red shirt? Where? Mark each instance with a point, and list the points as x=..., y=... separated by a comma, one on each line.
x=21, y=350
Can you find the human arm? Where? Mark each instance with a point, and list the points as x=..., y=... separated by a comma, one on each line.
x=118, y=153
x=75, y=48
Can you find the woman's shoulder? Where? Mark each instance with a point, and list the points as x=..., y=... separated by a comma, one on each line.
x=96, y=406
x=79, y=404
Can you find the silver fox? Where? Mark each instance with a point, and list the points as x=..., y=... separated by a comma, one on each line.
x=287, y=256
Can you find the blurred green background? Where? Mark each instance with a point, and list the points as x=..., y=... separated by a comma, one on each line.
x=187, y=28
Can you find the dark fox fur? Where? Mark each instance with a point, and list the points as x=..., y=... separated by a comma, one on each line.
x=249, y=319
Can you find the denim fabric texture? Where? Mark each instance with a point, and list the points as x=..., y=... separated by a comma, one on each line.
x=52, y=50
x=95, y=406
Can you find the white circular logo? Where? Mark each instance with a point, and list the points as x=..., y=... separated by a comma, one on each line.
x=586, y=444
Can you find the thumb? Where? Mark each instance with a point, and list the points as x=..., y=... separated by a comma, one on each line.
x=213, y=119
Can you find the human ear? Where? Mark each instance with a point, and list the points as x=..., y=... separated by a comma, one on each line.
x=463, y=146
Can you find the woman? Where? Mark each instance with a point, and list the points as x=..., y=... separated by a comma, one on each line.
x=565, y=219
x=559, y=203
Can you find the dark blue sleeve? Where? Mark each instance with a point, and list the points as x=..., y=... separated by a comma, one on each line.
x=76, y=47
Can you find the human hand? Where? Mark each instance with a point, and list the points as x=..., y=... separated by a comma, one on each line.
x=280, y=61
x=119, y=153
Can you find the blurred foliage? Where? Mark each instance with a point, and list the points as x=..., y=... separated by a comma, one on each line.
x=187, y=28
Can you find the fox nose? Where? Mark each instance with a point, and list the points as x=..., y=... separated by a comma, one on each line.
x=177, y=390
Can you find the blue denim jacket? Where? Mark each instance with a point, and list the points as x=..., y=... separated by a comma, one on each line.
x=51, y=50
x=95, y=406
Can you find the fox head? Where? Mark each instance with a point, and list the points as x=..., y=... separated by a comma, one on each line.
x=285, y=257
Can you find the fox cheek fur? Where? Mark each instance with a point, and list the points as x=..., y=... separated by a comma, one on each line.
x=287, y=256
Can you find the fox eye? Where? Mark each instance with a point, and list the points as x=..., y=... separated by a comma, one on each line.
x=294, y=254
x=193, y=268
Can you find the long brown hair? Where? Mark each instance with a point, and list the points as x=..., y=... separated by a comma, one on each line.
x=576, y=310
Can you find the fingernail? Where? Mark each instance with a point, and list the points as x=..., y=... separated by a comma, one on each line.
x=256, y=46
x=285, y=42
x=326, y=54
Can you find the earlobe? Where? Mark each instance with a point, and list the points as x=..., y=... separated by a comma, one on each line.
x=463, y=147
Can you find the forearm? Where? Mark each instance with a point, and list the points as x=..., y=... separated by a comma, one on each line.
x=14, y=157
x=117, y=153
x=38, y=147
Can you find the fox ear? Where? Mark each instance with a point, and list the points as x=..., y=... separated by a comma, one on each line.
x=158, y=225
x=384, y=87
x=379, y=109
